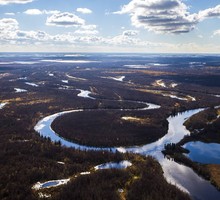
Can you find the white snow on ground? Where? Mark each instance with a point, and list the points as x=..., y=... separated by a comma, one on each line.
x=22, y=78
x=18, y=90
x=75, y=55
x=65, y=81
x=191, y=98
x=173, y=85
x=18, y=62
x=65, y=87
x=160, y=83
x=84, y=94
x=42, y=195
x=76, y=78
x=61, y=163
x=137, y=66
x=85, y=173
x=2, y=105
x=174, y=97
x=118, y=78
x=158, y=64
x=187, y=98
x=71, y=61
x=31, y=84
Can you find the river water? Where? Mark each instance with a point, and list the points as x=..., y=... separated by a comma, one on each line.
x=181, y=176
x=207, y=153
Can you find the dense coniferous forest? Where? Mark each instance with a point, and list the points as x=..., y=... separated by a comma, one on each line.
x=111, y=116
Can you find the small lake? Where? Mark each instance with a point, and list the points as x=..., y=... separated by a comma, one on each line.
x=113, y=165
x=49, y=184
x=206, y=153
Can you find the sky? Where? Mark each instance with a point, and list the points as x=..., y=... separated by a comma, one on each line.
x=144, y=26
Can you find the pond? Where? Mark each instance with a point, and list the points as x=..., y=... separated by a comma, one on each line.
x=206, y=153
x=113, y=165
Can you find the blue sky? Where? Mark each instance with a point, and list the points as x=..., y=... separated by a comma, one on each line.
x=161, y=26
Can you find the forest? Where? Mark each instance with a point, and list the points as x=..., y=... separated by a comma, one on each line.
x=27, y=158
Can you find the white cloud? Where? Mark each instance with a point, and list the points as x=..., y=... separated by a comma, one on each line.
x=5, y=2
x=86, y=32
x=165, y=16
x=25, y=40
x=40, y=12
x=86, y=36
x=32, y=36
x=84, y=10
x=89, y=27
x=216, y=33
x=10, y=13
x=160, y=16
x=130, y=33
x=65, y=19
x=8, y=28
x=33, y=12
x=9, y=31
x=8, y=24
x=11, y=36
x=50, y=12
x=209, y=13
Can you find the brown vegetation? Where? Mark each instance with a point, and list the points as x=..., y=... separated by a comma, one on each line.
x=214, y=171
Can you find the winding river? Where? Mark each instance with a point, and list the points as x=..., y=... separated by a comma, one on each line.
x=181, y=176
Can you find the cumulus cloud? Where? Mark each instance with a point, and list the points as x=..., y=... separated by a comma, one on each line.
x=217, y=32
x=33, y=12
x=210, y=12
x=9, y=31
x=89, y=29
x=86, y=32
x=10, y=13
x=84, y=10
x=86, y=35
x=11, y=36
x=165, y=16
x=8, y=28
x=8, y=24
x=40, y=12
x=130, y=33
x=33, y=35
x=65, y=19
x=5, y=2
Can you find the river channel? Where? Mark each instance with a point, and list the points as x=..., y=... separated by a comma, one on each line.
x=181, y=176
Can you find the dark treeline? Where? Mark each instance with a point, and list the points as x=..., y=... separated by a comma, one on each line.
x=107, y=128
x=204, y=126
x=143, y=180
